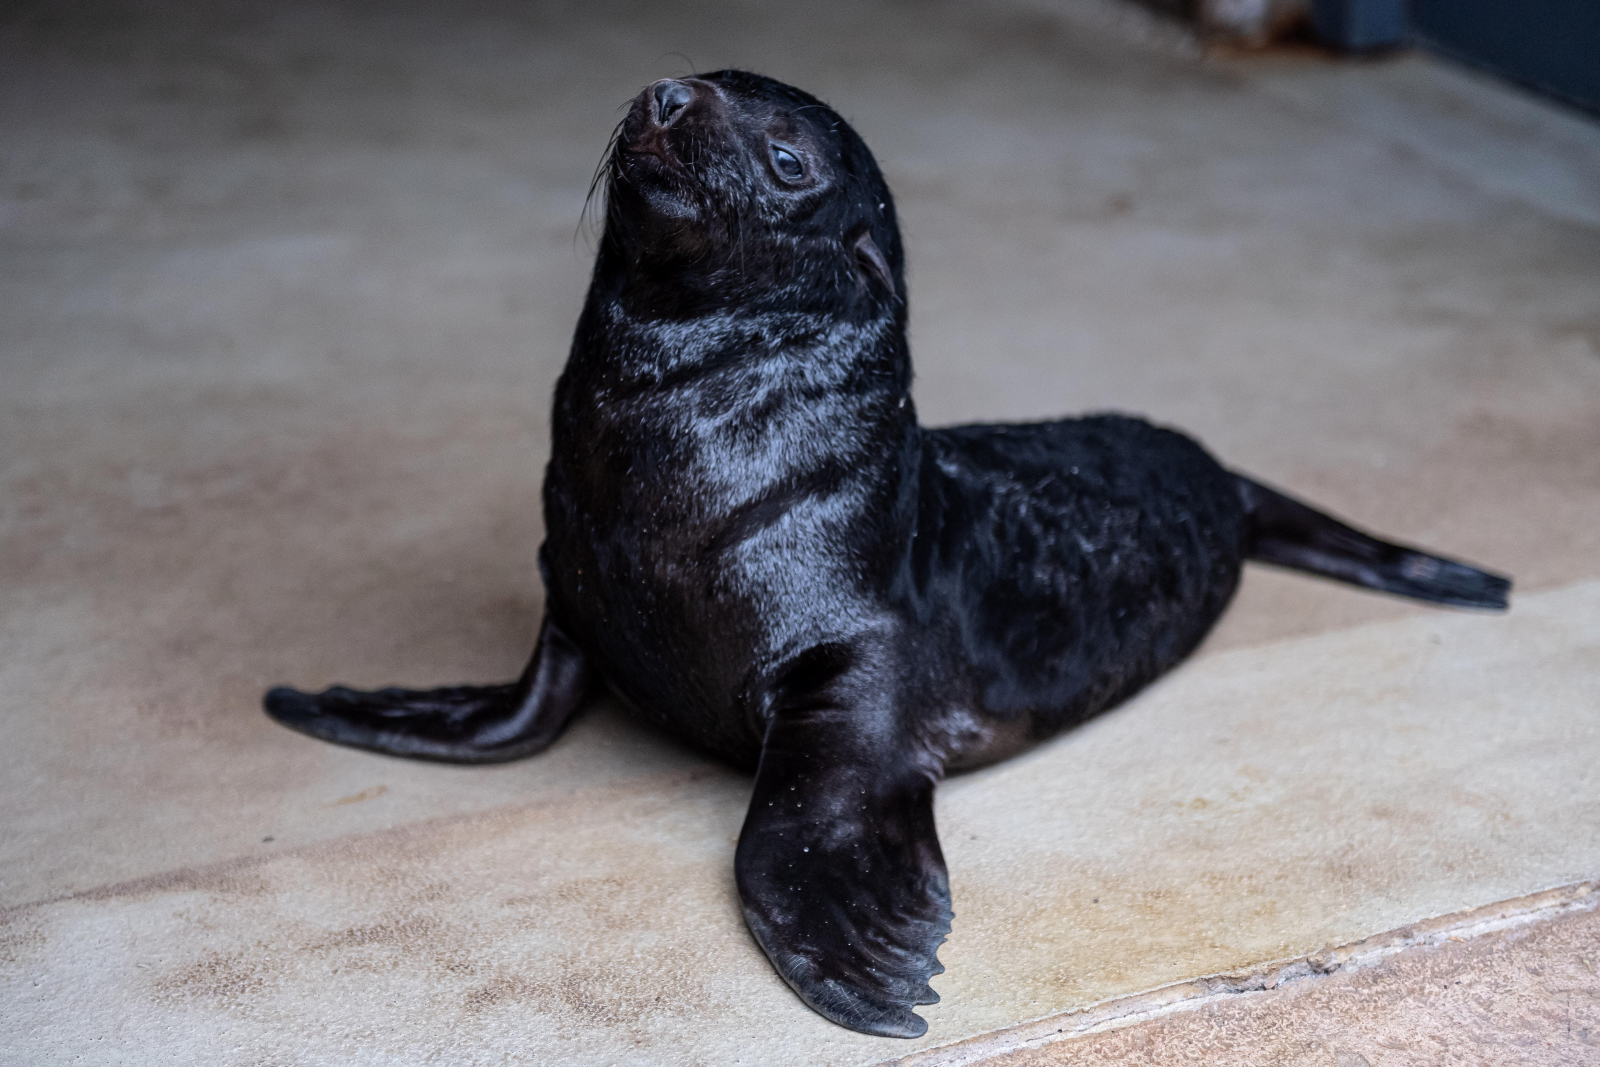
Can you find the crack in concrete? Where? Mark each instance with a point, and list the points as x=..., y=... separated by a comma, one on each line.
x=1120, y=1012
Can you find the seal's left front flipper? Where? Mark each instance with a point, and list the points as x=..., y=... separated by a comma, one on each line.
x=458, y=724
x=840, y=872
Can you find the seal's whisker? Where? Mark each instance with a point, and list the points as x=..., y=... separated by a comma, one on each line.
x=605, y=168
x=689, y=70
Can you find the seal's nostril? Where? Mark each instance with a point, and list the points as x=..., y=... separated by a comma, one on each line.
x=671, y=98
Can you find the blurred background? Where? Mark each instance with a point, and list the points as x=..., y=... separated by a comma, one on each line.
x=1547, y=45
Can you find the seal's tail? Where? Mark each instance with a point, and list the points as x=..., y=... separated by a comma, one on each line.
x=1284, y=531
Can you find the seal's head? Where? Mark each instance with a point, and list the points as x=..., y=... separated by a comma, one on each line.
x=730, y=189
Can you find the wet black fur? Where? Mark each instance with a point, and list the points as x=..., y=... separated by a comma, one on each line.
x=753, y=542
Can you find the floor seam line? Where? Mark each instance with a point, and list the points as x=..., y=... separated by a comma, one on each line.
x=1191, y=994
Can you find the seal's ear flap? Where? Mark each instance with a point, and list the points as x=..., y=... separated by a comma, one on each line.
x=840, y=872
x=870, y=261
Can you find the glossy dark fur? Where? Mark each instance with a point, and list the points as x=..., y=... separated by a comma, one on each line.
x=752, y=540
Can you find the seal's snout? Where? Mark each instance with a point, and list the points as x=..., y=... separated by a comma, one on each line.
x=659, y=115
x=671, y=98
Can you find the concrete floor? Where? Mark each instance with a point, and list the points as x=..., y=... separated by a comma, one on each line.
x=1494, y=991
x=283, y=292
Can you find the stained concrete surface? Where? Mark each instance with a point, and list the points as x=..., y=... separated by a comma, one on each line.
x=1525, y=996
x=1266, y=802
x=285, y=288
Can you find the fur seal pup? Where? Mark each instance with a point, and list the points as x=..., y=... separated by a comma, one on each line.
x=751, y=539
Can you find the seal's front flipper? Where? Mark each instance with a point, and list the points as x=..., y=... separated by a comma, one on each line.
x=1284, y=531
x=458, y=724
x=840, y=872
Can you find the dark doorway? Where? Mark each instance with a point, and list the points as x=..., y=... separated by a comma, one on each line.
x=1553, y=45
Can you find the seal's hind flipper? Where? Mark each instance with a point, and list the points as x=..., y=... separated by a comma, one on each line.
x=1284, y=531
x=840, y=873
x=458, y=724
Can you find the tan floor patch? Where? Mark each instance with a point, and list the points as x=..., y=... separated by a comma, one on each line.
x=1500, y=988
x=1246, y=810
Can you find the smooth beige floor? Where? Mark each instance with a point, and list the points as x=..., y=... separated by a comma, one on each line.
x=1525, y=996
x=283, y=291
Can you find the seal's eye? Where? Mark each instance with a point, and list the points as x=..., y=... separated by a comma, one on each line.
x=787, y=164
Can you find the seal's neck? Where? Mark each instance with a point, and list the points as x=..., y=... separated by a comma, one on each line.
x=689, y=276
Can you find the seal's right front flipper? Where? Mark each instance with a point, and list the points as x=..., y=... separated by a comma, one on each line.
x=840, y=872
x=458, y=724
